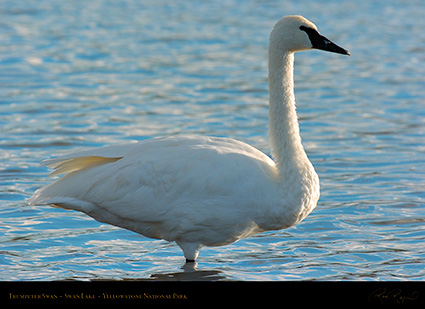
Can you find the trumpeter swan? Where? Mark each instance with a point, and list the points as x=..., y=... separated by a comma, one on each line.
x=202, y=191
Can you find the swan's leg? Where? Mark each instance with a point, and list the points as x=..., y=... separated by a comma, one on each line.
x=190, y=250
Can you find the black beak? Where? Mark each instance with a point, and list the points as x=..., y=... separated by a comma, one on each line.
x=318, y=41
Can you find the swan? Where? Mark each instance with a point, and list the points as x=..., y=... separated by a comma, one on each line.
x=200, y=190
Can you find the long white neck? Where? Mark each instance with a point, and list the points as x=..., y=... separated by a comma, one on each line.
x=284, y=132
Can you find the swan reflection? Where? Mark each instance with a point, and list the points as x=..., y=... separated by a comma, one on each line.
x=190, y=273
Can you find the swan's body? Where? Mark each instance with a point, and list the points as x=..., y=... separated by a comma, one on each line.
x=202, y=191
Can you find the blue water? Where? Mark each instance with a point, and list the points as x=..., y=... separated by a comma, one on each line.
x=79, y=74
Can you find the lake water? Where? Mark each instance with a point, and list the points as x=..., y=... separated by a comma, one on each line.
x=80, y=74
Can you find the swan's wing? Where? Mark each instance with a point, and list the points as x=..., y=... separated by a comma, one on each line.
x=67, y=166
x=160, y=181
x=86, y=158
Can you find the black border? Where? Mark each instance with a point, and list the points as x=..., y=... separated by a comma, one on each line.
x=221, y=292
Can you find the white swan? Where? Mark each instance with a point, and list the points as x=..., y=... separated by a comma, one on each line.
x=202, y=191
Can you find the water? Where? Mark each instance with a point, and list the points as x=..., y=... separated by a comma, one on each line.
x=80, y=74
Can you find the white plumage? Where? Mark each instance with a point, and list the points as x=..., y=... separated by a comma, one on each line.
x=202, y=191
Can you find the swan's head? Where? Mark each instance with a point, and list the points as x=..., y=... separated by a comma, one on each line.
x=295, y=33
